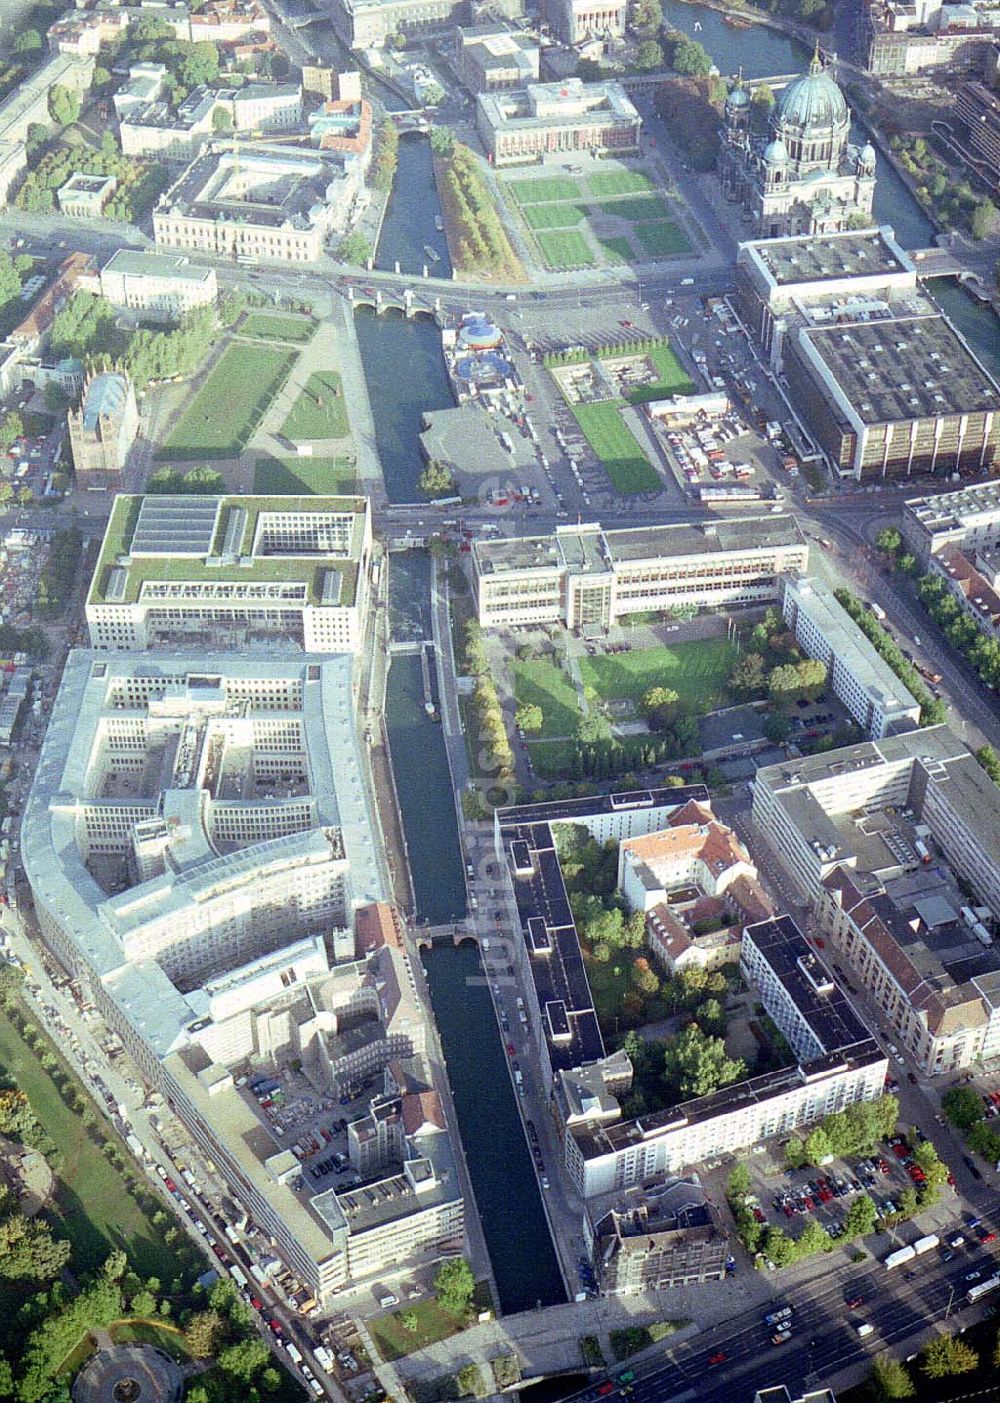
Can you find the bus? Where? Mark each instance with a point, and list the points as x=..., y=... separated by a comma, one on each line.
x=982, y=1288
x=896, y=1259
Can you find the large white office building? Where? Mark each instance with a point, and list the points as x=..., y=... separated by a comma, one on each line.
x=586, y=577
x=160, y=284
x=867, y=685
x=177, y=571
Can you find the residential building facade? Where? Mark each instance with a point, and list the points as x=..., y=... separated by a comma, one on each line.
x=867, y=686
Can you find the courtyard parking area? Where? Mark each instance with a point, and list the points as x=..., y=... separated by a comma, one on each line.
x=612, y=216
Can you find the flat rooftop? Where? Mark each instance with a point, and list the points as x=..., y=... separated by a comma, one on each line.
x=213, y=541
x=930, y=743
x=951, y=511
x=270, y=186
x=591, y=550
x=808, y=984
x=849, y=647
x=826, y=257
x=131, y=263
x=566, y=810
x=897, y=369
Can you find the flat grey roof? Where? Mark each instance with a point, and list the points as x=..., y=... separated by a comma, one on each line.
x=175, y=526
x=899, y=368
x=799, y=970
x=135, y=264
x=821, y=258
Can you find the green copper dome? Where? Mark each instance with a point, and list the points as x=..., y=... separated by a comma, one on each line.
x=811, y=103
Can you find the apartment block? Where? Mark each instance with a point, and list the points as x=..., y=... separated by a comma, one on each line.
x=585, y=577
x=549, y=119
x=233, y=572
x=968, y=517
x=867, y=686
x=838, y=1065
x=672, y=1236
x=979, y=111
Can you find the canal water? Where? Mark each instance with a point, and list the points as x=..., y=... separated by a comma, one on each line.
x=977, y=321
x=506, y=1190
x=405, y=372
x=409, y=227
x=764, y=52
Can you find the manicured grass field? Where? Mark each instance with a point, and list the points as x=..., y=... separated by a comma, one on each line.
x=169, y=1338
x=298, y=477
x=662, y=238
x=221, y=418
x=671, y=378
x=542, y=683
x=92, y=1206
x=696, y=671
x=616, y=250
x=433, y=1324
x=619, y=182
x=551, y=758
x=319, y=411
x=552, y=187
x=559, y=216
x=262, y=326
x=638, y=209
x=566, y=249
x=616, y=446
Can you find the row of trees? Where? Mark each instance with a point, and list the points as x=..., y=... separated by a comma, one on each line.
x=933, y=710
x=140, y=183
x=171, y=482
x=86, y=329
x=636, y=346
x=846, y=1134
x=691, y=111
x=386, y=156
x=960, y=628
x=953, y=201
x=965, y=1109
x=496, y=756
x=482, y=243
x=942, y=1357
x=58, y=575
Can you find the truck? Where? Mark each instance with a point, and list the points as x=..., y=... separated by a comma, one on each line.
x=239, y=1276
x=878, y=611
x=923, y=851
x=926, y=1244
x=135, y=1145
x=294, y=1353
x=231, y=1234
x=897, y=1258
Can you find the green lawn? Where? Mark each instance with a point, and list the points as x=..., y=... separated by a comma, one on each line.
x=696, y=671
x=672, y=378
x=551, y=758
x=542, y=683
x=638, y=209
x=662, y=238
x=561, y=216
x=263, y=326
x=92, y=1206
x=616, y=446
x=620, y=182
x=304, y=477
x=616, y=250
x=538, y=192
x=566, y=249
x=169, y=1338
x=221, y=418
x=319, y=411
x=433, y=1324
x=609, y=983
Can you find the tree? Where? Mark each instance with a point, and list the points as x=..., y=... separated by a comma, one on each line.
x=688, y=57
x=984, y=1141
x=454, y=1285
x=777, y=727
x=817, y=1146
x=658, y=701
x=6, y=1379
x=204, y=1333
x=647, y=16
x=889, y=1380
x=101, y=80
x=748, y=674
x=409, y=1320
x=739, y=1183
x=946, y=1355
x=200, y=65
x=232, y=305
x=28, y=1251
x=990, y=762
x=889, y=540
x=592, y=728
x=11, y=428
x=696, y=1065
x=442, y=141
x=29, y=41
x=436, y=480
x=244, y=1359
x=860, y=1218
x=355, y=249
x=115, y=1265
x=984, y=219
x=470, y=1380
x=645, y=978
x=64, y=105
x=222, y=120
x=790, y=681
x=529, y=717
x=649, y=55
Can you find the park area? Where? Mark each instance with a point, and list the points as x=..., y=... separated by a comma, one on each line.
x=614, y=216
x=617, y=447
x=266, y=326
x=304, y=477
x=221, y=418
x=319, y=411
x=697, y=672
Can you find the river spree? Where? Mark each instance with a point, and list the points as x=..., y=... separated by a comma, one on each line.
x=405, y=372
x=410, y=225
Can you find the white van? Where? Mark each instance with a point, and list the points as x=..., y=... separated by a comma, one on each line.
x=864, y=1330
